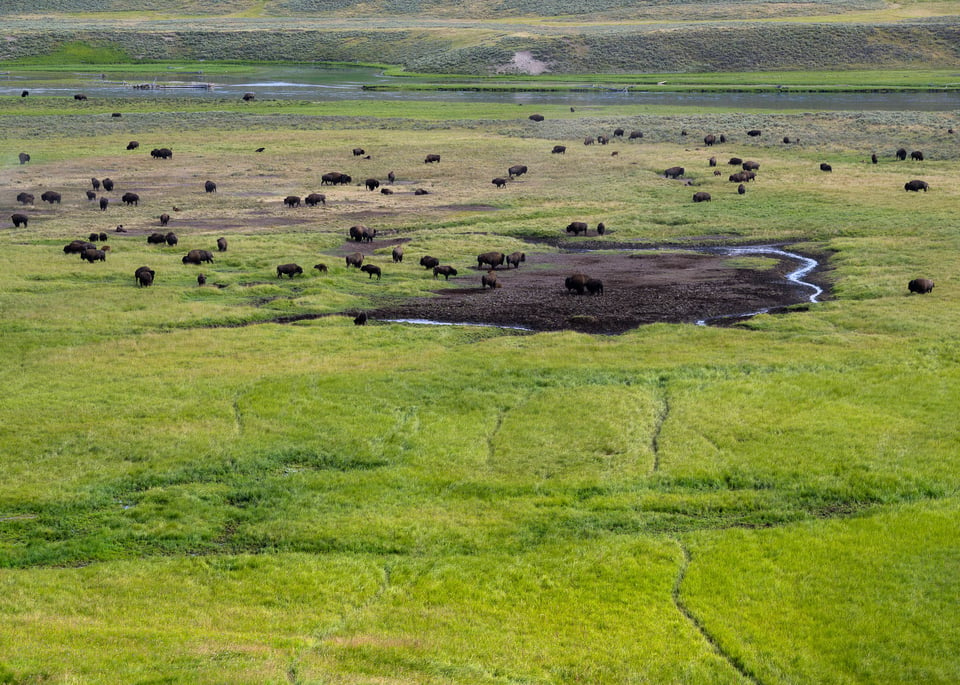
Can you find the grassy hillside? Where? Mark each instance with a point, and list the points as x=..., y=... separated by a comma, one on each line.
x=197, y=492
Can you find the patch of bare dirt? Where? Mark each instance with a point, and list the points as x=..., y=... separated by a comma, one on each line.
x=638, y=288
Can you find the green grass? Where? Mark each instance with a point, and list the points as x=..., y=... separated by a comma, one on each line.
x=195, y=493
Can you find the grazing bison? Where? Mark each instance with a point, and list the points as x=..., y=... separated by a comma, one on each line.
x=24, y=157
x=371, y=269
x=133, y=145
x=397, y=254
x=360, y=319
x=221, y=244
x=735, y=161
x=19, y=220
x=161, y=153
x=517, y=170
x=873, y=158
x=576, y=282
x=95, y=182
x=594, y=286
x=355, y=259
x=103, y=237
x=94, y=255
x=445, y=270
x=25, y=198
x=515, y=258
x=334, y=178
x=421, y=191
x=741, y=189
x=79, y=96
x=314, y=199
x=358, y=151
x=916, y=186
x=247, y=97
x=290, y=270
x=709, y=139
x=494, y=259
x=825, y=167
x=94, y=237
x=107, y=184
x=391, y=177
x=499, y=182
x=91, y=196
x=618, y=132
x=25, y=93
x=674, y=172
x=916, y=156
x=712, y=161
x=535, y=117
x=634, y=135
x=386, y=191
x=144, y=276
x=601, y=228
x=197, y=256
x=754, y=132
x=428, y=262
x=577, y=227
x=489, y=280
x=130, y=199
x=116, y=115
x=201, y=280
x=603, y=140
x=559, y=150
x=362, y=234
x=78, y=246
x=291, y=201
x=742, y=177
x=429, y=159
x=156, y=239
x=260, y=149
x=322, y=268
x=901, y=154
x=701, y=197
x=372, y=183
x=171, y=239
x=50, y=196
x=164, y=219
x=588, y=140
x=750, y=166
x=921, y=286
x=210, y=187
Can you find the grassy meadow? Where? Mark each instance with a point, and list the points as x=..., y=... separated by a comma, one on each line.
x=197, y=492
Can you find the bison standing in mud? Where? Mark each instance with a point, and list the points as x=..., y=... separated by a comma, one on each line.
x=575, y=283
x=334, y=178
x=916, y=186
x=594, y=286
x=161, y=153
x=290, y=270
x=577, y=227
x=489, y=280
x=515, y=258
x=164, y=219
x=921, y=286
x=494, y=259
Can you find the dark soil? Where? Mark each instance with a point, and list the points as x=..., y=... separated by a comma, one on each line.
x=639, y=288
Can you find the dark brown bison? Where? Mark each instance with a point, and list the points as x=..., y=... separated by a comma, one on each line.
x=723, y=138
x=575, y=283
x=164, y=219
x=515, y=258
x=120, y=229
x=428, y=262
x=210, y=186
x=197, y=257
x=517, y=170
x=825, y=167
x=19, y=220
x=588, y=140
x=577, y=227
x=103, y=237
x=750, y=165
x=429, y=159
x=144, y=276
x=116, y=115
x=916, y=156
x=594, y=286
x=104, y=202
x=445, y=270
x=735, y=161
x=358, y=151
x=78, y=246
x=247, y=97
x=94, y=237
x=701, y=196
x=753, y=133
x=94, y=255
x=601, y=228
x=901, y=154
x=95, y=182
x=290, y=270
x=371, y=269
x=201, y=280
x=709, y=139
x=559, y=149
x=494, y=259
x=25, y=93
x=355, y=259
x=362, y=234
x=499, y=182
x=741, y=189
x=873, y=158
x=674, y=172
x=130, y=199
x=634, y=135
x=161, y=153
x=91, y=196
x=333, y=178
x=260, y=149
x=50, y=196
x=24, y=157
x=386, y=191
x=712, y=161
x=107, y=184
x=79, y=96
x=171, y=240
x=291, y=201
x=133, y=145
x=221, y=244
x=489, y=280
x=603, y=140
x=397, y=254
x=156, y=239
x=742, y=177
x=25, y=198
x=916, y=186
x=618, y=132
x=391, y=177
x=314, y=199
x=372, y=184
x=921, y=286
x=421, y=191
x=322, y=268
x=535, y=117
x=360, y=319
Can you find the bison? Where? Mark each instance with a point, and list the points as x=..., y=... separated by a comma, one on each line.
x=709, y=139
x=674, y=172
x=386, y=191
x=535, y=117
x=741, y=189
x=421, y=191
x=50, y=196
x=144, y=276
x=901, y=154
x=156, y=239
x=247, y=97
x=558, y=150
x=873, y=158
x=576, y=227
x=489, y=280
x=921, y=286
x=576, y=282
x=92, y=254
x=19, y=220
x=916, y=156
x=515, y=258
x=372, y=183
x=916, y=186
x=499, y=182
x=371, y=269
x=201, y=280
x=397, y=254
x=130, y=199
x=25, y=198
x=735, y=161
x=358, y=151
x=618, y=132
x=360, y=319
x=291, y=201
x=210, y=187
x=79, y=96
x=601, y=228
x=428, y=262
x=494, y=259
x=161, y=153
x=24, y=157
x=197, y=256
x=107, y=184
x=133, y=145
x=588, y=140
x=701, y=197
x=603, y=140
x=362, y=234
x=221, y=244
x=290, y=270
x=171, y=240
x=164, y=219
x=314, y=199
x=430, y=159
x=94, y=237
x=634, y=135
x=445, y=270
x=594, y=286
x=78, y=246
x=753, y=133
x=334, y=178
x=712, y=161
x=750, y=165
x=825, y=167
x=322, y=268
x=355, y=259
x=517, y=170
